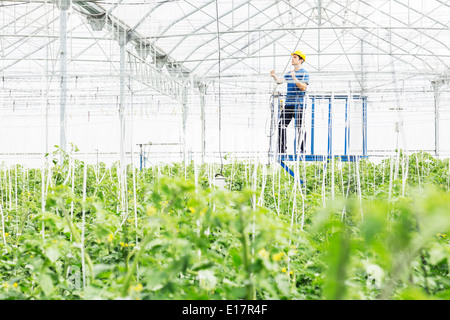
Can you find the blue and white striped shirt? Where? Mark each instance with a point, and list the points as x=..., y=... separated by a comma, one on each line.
x=294, y=94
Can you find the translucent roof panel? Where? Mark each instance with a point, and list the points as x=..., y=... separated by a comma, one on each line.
x=255, y=34
x=333, y=34
x=337, y=36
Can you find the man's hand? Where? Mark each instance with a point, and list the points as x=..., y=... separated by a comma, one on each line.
x=294, y=77
x=301, y=85
x=274, y=76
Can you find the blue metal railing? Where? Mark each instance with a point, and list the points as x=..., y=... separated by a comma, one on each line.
x=313, y=156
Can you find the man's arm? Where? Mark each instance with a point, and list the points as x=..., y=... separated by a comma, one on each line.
x=301, y=85
x=276, y=78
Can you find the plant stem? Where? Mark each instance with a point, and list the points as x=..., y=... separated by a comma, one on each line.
x=126, y=283
x=76, y=237
x=246, y=258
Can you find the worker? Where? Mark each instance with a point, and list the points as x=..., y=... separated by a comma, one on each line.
x=297, y=83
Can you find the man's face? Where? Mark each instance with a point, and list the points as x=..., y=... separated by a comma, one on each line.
x=296, y=60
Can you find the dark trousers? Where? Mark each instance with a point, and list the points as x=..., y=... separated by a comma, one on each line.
x=287, y=114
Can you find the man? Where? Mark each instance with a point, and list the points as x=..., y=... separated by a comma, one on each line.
x=297, y=83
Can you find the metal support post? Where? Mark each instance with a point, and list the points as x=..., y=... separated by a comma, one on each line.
x=202, y=91
x=330, y=127
x=122, y=37
x=312, y=123
x=346, y=125
x=272, y=115
x=185, y=115
x=141, y=156
x=436, y=87
x=202, y=101
x=296, y=133
x=364, y=133
x=64, y=5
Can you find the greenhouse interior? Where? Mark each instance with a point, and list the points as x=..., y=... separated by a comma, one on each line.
x=122, y=121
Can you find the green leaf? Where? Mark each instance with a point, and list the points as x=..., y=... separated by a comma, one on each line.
x=52, y=254
x=236, y=257
x=338, y=259
x=45, y=282
x=437, y=255
x=202, y=266
x=207, y=279
x=283, y=283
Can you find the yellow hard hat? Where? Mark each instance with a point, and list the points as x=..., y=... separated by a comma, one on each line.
x=300, y=54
